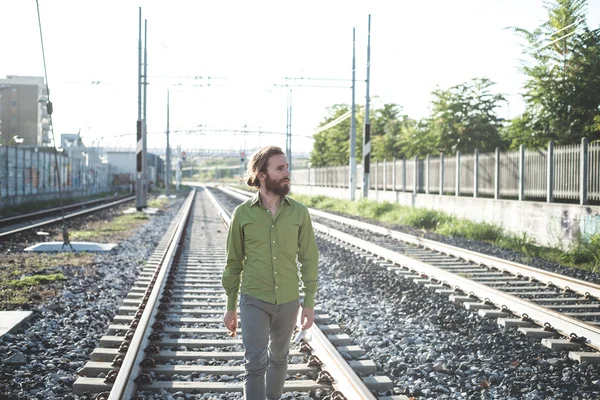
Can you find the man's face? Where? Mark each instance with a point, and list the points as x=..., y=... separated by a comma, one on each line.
x=277, y=179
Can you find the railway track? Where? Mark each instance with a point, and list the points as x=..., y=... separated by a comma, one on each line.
x=169, y=337
x=13, y=225
x=564, y=312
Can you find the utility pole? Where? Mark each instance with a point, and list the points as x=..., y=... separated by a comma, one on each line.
x=168, y=153
x=139, y=195
x=288, y=131
x=367, y=132
x=352, y=183
x=242, y=161
x=144, y=125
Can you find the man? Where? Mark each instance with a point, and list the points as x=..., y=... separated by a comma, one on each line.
x=267, y=233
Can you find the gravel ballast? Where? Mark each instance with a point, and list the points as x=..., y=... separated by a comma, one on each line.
x=434, y=349
x=41, y=359
x=429, y=347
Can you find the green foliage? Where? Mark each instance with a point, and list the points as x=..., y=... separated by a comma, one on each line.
x=36, y=280
x=373, y=209
x=159, y=202
x=422, y=218
x=522, y=243
x=332, y=146
x=464, y=118
x=470, y=230
x=562, y=97
x=584, y=252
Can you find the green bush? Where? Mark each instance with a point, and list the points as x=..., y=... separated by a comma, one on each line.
x=424, y=218
x=522, y=243
x=470, y=230
x=585, y=251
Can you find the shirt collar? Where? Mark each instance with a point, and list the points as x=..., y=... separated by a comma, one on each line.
x=256, y=199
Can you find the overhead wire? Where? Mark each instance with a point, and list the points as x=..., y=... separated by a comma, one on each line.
x=50, y=110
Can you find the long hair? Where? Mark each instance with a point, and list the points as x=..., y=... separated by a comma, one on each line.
x=259, y=163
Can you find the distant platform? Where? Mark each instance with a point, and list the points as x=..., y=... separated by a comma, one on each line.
x=77, y=246
x=11, y=320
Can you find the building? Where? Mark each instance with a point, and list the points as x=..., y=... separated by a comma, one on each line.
x=23, y=110
x=124, y=162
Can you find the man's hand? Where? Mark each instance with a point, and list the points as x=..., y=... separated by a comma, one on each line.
x=307, y=318
x=231, y=321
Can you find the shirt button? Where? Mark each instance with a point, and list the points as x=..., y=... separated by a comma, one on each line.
x=272, y=226
x=273, y=241
x=274, y=258
x=276, y=287
x=275, y=271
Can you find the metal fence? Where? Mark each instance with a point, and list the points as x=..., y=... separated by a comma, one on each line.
x=569, y=173
x=32, y=171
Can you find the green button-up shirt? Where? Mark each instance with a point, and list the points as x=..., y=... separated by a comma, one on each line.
x=262, y=252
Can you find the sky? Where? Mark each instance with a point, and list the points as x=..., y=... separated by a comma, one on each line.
x=225, y=63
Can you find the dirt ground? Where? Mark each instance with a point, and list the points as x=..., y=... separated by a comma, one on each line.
x=28, y=278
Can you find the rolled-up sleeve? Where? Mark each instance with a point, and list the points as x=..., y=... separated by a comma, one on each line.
x=235, y=261
x=308, y=257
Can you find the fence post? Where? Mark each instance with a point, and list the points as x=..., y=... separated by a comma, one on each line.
x=583, y=176
x=441, y=173
x=23, y=173
x=37, y=155
x=404, y=174
x=521, y=172
x=427, y=174
x=497, y=174
x=394, y=174
x=476, y=174
x=416, y=175
x=550, y=176
x=385, y=175
x=7, y=172
x=16, y=171
x=376, y=176
x=457, y=173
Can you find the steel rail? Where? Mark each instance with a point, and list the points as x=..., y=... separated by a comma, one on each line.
x=565, y=325
x=125, y=386
x=561, y=281
x=346, y=381
x=72, y=215
x=17, y=218
x=564, y=282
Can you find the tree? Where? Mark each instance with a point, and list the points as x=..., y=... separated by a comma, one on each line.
x=332, y=146
x=563, y=88
x=464, y=118
x=385, y=132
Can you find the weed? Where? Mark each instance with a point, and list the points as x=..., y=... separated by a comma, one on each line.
x=160, y=203
x=36, y=280
x=522, y=243
x=469, y=229
x=584, y=252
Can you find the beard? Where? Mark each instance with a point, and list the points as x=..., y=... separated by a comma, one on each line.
x=280, y=187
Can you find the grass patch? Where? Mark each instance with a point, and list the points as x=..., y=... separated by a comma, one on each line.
x=585, y=254
x=115, y=229
x=35, y=280
x=33, y=277
x=469, y=229
x=159, y=202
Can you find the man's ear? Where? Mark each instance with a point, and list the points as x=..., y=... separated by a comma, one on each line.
x=261, y=175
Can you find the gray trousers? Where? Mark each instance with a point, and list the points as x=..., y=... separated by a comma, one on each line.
x=266, y=333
